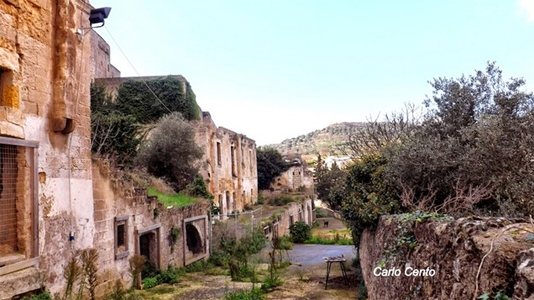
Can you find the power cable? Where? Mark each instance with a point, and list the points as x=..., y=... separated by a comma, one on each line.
x=141, y=78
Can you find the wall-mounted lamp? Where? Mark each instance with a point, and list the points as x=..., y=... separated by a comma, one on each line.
x=98, y=15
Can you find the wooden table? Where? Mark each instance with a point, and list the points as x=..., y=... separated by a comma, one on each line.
x=338, y=259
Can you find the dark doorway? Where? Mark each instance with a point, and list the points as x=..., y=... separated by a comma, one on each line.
x=193, y=239
x=148, y=248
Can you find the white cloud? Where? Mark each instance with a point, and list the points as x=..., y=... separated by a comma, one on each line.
x=527, y=9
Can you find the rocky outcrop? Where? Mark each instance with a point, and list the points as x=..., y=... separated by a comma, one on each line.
x=460, y=259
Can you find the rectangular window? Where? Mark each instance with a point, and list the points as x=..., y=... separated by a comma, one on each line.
x=219, y=163
x=232, y=154
x=18, y=204
x=8, y=93
x=251, y=165
x=121, y=237
x=291, y=221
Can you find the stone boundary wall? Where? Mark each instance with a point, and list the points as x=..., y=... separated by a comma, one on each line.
x=454, y=251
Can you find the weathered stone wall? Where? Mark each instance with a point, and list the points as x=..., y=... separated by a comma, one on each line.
x=119, y=199
x=228, y=165
x=100, y=58
x=292, y=212
x=295, y=177
x=455, y=250
x=44, y=97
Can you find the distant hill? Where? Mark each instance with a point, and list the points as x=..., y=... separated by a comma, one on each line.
x=326, y=141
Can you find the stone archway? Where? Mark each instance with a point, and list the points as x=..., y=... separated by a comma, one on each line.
x=193, y=239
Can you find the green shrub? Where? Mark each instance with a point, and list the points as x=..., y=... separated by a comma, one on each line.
x=171, y=152
x=198, y=188
x=326, y=241
x=270, y=283
x=281, y=201
x=254, y=294
x=320, y=213
x=169, y=276
x=150, y=282
x=300, y=232
x=260, y=199
x=197, y=266
x=283, y=243
x=41, y=296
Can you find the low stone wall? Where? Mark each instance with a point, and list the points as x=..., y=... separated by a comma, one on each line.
x=460, y=259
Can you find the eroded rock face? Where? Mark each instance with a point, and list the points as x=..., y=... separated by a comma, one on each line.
x=454, y=251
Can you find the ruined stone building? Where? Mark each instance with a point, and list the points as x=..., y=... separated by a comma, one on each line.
x=229, y=162
x=46, y=195
x=54, y=199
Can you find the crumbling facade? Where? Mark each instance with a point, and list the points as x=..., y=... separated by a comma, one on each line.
x=229, y=161
x=128, y=222
x=100, y=58
x=46, y=199
x=228, y=166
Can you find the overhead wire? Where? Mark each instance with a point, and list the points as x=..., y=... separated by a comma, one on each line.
x=141, y=78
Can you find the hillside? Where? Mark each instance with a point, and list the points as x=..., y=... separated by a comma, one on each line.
x=326, y=141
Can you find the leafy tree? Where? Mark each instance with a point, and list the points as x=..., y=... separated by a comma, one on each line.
x=329, y=184
x=270, y=165
x=117, y=127
x=478, y=136
x=112, y=132
x=171, y=152
x=368, y=194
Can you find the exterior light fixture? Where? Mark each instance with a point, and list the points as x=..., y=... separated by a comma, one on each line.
x=98, y=15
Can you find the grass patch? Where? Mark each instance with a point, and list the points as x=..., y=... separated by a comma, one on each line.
x=327, y=241
x=177, y=199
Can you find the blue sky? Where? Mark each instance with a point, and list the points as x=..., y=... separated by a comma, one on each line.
x=275, y=69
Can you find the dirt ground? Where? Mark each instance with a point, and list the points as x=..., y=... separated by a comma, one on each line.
x=305, y=279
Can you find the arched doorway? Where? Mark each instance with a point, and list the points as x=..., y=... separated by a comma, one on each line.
x=193, y=239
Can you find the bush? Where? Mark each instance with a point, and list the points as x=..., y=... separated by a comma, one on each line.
x=150, y=282
x=245, y=295
x=283, y=243
x=171, y=152
x=300, y=232
x=198, y=188
x=281, y=201
x=270, y=283
x=169, y=276
x=41, y=296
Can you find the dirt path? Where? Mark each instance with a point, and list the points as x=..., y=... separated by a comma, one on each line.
x=304, y=279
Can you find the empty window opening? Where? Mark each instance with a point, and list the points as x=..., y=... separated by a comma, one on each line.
x=194, y=242
x=221, y=211
x=228, y=202
x=219, y=154
x=148, y=247
x=8, y=95
x=232, y=154
x=291, y=221
x=234, y=203
x=250, y=161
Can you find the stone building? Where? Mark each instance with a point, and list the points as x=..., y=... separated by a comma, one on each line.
x=46, y=196
x=228, y=164
x=297, y=178
x=128, y=222
x=100, y=58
